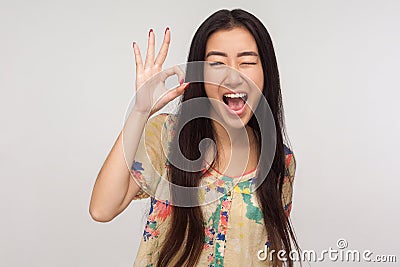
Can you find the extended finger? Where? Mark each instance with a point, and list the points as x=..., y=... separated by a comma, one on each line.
x=138, y=57
x=162, y=54
x=150, y=50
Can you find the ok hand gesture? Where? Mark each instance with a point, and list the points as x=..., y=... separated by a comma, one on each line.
x=151, y=93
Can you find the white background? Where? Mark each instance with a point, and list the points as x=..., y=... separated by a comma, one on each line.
x=66, y=79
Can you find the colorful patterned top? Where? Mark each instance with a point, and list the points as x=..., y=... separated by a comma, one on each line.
x=234, y=227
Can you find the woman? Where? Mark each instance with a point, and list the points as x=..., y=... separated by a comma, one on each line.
x=252, y=207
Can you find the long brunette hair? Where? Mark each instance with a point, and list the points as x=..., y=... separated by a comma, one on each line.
x=186, y=235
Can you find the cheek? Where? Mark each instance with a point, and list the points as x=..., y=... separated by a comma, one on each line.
x=256, y=76
x=259, y=80
x=211, y=90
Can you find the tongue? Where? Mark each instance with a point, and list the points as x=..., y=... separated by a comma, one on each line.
x=235, y=103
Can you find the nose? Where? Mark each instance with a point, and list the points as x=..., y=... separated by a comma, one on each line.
x=233, y=78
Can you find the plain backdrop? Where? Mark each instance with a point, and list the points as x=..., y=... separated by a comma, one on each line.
x=67, y=76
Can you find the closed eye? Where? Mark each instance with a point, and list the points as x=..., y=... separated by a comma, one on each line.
x=216, y=63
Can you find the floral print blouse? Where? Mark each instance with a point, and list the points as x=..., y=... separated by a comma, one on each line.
x=234, y=227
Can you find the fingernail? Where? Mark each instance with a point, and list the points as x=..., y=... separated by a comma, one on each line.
x=150, y=31
x=166, y=30
x=180, y=82
x=187, y=86
x=133, y=44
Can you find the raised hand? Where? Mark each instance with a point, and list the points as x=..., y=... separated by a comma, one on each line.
x=151, y=93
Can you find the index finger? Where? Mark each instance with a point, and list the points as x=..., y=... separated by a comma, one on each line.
x=171, y=71
x=162, y=54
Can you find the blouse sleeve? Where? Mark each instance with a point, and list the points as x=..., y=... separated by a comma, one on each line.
x=287, y=189
x=150, y=160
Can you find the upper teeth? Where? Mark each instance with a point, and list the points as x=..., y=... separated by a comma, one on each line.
x=237, y=95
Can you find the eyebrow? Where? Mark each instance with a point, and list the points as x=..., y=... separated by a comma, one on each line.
x=241, y=54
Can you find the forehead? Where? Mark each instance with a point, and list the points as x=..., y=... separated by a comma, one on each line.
x=233, y=40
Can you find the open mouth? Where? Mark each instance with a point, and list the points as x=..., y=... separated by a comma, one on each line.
x=235, y=101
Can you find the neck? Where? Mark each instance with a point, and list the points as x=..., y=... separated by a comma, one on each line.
x=236, y=148
x=227, y=137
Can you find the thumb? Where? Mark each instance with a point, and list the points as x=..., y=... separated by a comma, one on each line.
x=179, y=90
x=170, y=95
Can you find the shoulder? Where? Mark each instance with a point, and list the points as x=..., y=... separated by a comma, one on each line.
x=162, y=120
x=287, y=150
x=157, y=120
x=158, y=135
x=159, y=123
x=290, y=162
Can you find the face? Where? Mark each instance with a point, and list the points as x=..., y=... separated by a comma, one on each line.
x=233, y=75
